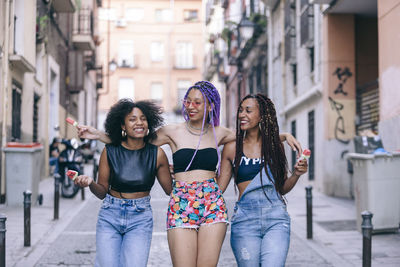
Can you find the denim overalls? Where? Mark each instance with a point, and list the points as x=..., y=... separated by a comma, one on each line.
x=260, y=228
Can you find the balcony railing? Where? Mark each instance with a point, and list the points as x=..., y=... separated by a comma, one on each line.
x=82, y=35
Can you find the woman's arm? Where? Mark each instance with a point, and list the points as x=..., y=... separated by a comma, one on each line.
x=163, y=173
x=89, y=132
x=299, y=169
x=100, y=188
x=163, y=136
x=229, y=136
x=226, y=166
x=292, y=142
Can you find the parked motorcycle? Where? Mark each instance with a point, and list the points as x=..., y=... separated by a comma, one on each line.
x=70, y=159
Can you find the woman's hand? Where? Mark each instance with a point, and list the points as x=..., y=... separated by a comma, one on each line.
x=88, y=132
x=83, y=180
x=293, y=143
x=300, y=167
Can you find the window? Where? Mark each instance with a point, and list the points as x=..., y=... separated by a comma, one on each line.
x=183, y=85
x=107, y=14
x=157, y=51
x=134, y=14
x=190, y=15
x=184, y=55
x=16, y=111
x=306, y=23
x=290, y=31
x=126, y=54
x=36, y=99
x=156, y=91
x=126, y=88
x=293, y=130
x=19, y=27
x=311, y=144
x=163, y=15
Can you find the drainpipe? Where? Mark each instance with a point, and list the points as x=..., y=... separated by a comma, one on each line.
x=5, y=90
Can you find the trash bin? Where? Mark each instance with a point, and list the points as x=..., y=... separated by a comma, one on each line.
x=23, y=165
x=376, y=188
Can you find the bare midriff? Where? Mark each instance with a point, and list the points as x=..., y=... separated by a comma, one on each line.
x=194, y=176
x=129, y=195
x=242, y=186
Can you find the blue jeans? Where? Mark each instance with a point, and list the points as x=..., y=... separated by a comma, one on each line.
x=260, y=230
x=123, y=233
x=54, y=161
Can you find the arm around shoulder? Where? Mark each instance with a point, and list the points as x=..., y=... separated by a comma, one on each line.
x=226, y=165
x=163, y=173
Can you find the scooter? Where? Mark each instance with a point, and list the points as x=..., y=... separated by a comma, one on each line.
x=70, y=159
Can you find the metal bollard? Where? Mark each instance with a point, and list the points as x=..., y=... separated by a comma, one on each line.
x=309, y=212
x=83, y=193
x=57, y=180
x=366, y=227
x=3, y=219
x=27, y=218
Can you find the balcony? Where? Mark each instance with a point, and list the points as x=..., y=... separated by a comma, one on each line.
x=211, y=61
x=82, y=35
x=64, y=6
x=128, y=62
x=21, y=63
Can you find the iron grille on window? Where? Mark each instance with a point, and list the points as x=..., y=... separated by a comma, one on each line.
x=84, y=22
x=293, y=129
x=311, y=144
x=16, y=111
x=36, y=99
x=290, y=31
x=307, y=25
x=367, y=107
x=75, y=71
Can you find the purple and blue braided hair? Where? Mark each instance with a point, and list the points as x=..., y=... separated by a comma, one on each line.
x=210, y=93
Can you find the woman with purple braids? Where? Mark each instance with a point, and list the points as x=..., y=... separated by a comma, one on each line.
x=197, y=215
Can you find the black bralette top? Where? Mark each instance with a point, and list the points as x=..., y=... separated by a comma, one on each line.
x=132, y=170
x=205, y=159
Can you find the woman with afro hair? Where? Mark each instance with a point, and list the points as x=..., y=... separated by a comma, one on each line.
x=197, y=215
x=127, y=170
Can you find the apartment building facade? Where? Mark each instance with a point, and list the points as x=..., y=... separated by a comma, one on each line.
x=150, y=50
x=48, y=71
x=330, y=68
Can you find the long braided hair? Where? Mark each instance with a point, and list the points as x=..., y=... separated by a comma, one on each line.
x=272, y=152
x=210, y=95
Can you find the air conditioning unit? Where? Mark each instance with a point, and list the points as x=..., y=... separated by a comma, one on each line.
x=121, y=23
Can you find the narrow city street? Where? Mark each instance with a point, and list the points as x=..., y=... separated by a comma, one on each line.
x=75, y=246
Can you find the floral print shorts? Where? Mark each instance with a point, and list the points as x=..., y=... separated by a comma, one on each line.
x=195, y=204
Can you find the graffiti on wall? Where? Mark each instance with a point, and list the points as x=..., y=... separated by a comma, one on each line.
x=342, y=75
x=339, y=124
x=337, y=104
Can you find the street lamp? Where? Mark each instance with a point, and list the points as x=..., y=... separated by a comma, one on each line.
x=246, y=29
x=112, y=66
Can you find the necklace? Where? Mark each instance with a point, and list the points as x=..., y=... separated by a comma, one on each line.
x=191, y=128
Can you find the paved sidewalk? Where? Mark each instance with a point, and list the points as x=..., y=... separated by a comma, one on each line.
x=44, y=230
x=336, y=241
x=335, y=237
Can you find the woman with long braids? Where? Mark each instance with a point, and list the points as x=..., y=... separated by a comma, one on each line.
x=260, y=226
x=197, y=215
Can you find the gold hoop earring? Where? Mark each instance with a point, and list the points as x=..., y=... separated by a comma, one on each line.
x=123, y=133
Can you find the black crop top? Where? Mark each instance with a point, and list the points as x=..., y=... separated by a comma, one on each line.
x=248, y=169
x=132, y=170
x=205, y=159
